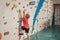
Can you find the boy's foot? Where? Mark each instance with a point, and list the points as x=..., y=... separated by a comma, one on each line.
x=21, y=33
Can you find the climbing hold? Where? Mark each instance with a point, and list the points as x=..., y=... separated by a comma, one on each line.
x=39, y=26
x=46, y=1
x=19, y=3
x=7, y=4
x=23, y=6
x=14, y=0
x=13, y=17
x=30, y=7
x=59, y=19
x=0, y=36
x=17, y=11
x=16, y=27
x=27, y=5
x=6, y=33
x=14, y=6
x=32, y=3
x=3, y=17
x=14, y=33
x=18, y=21
x=25, y=0
x=35, y=6
x=5, y=23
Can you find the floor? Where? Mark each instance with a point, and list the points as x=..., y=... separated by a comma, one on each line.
x=51, y=34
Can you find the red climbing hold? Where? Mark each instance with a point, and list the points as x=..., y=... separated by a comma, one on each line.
x=0, y=36
x=7, y=4
x=6, y=33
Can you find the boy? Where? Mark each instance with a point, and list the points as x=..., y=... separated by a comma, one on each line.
x=25, y=26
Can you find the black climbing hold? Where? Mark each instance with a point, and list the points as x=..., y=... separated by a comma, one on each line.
x=30, y=7
x=32, y=3
x=27, y=5
x=23, y=6
x=40, y=26
x=6, y=33
x=5, y=23
x=13, y=17
x=3, y=17
x=19, y=3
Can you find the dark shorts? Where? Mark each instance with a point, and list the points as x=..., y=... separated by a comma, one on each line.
x=26, y=29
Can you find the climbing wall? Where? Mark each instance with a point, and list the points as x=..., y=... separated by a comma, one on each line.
x=9, y=20
x=44, y=17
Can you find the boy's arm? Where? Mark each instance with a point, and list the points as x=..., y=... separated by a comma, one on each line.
x=24, y=14
x=20, y=14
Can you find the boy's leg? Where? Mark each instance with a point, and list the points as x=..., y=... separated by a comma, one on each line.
x=27, y=33
x=20, y=32
x=28, y=36
x=20, y=37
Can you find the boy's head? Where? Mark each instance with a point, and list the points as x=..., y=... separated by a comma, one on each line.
x=27, y=16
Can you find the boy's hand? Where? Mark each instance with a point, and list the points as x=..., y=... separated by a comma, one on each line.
x=19, y=10
x=20, y=14
x=24, y=12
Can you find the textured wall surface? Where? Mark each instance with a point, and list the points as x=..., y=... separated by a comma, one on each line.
x=57, y=15
x=9, y=17
x=56, y=1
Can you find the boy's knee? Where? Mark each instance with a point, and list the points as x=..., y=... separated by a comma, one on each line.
x=27, y=34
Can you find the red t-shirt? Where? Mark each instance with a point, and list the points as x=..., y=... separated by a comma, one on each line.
x=25, y=22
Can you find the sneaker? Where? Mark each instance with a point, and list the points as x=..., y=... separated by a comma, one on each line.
x=21, y=33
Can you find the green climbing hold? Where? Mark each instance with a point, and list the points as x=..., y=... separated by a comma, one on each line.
x=17, y=11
